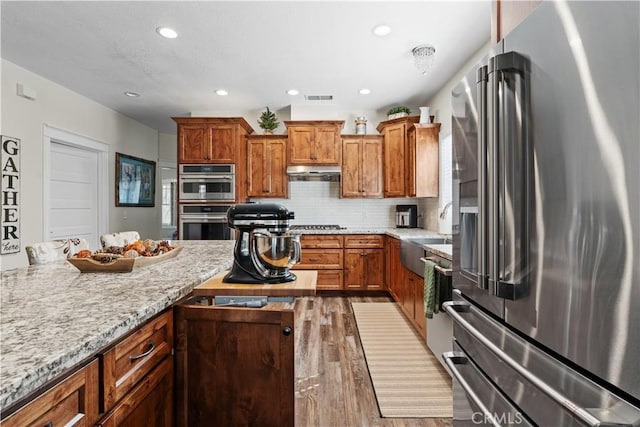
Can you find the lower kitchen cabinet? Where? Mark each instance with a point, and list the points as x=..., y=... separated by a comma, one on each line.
x=150, y=402
x=73, y=402
x=405, y=287
x=394, y=278
x=234, y=366
x=413, y=304
x=364, y=262
x=323, y=252
x=364, y=269
x=131, y=359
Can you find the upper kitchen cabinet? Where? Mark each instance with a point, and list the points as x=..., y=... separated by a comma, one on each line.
x=410, y=157
x=266, y=166
x=361, y=166
x=423, y=160
x=211, y=140
x=314, y=142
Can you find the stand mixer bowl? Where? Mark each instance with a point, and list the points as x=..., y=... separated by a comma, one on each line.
x=277, y=251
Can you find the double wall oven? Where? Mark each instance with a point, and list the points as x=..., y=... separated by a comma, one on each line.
x=206, y=193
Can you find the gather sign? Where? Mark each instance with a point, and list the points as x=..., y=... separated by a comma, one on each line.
x=10, y=219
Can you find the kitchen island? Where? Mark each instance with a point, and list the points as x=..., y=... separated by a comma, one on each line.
x=52, y=317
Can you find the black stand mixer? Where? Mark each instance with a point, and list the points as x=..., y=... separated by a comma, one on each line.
x=265, y=250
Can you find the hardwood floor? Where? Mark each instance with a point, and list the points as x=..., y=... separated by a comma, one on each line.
x=333, y=387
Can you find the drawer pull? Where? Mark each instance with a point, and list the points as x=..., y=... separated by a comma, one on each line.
x=150, y=347
x=314, y=260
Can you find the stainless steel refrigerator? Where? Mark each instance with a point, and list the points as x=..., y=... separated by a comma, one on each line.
x=546, y=149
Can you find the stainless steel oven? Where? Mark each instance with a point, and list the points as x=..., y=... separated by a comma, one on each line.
x=207, y=183
x=204, y=222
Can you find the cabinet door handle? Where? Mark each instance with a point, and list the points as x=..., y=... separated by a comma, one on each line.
x=150, y=347
x=287, y=331
x=49, y=424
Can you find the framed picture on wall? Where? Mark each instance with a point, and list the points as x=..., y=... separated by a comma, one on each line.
x=135, y=181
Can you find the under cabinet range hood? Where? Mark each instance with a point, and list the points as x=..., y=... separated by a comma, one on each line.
x=314, y=173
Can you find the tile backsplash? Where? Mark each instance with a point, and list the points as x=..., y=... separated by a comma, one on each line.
x=320, y=203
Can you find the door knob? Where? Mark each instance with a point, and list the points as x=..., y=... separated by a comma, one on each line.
x=287, y=331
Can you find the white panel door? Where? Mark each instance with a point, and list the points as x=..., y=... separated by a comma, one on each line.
x=73, y=193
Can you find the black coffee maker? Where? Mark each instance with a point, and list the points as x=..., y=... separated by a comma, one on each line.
x=265, y=250
x=406, y=216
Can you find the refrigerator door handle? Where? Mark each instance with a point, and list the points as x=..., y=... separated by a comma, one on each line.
x=453, y=358
x=481, y=241
x=509, y=184
x=580, y=413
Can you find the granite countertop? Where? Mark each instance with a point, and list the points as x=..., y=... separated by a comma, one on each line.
x=53, y=317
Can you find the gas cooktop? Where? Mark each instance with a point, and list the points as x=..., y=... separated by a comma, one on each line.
x=316, y=227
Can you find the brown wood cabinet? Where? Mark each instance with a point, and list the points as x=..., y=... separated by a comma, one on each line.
x=410, y=157
x=314, y=142
x=364, y=262
x=266, y=166
x=413, y=303
x=405, y=287
x=324, y=253
x=393, y=272
x=361, y=166
x=210, y=139
x=394, y=155
x=423, y=160
x=234, y=366
x=72, y=402
x=130, y=360
x=137, y=376
x=150, y=402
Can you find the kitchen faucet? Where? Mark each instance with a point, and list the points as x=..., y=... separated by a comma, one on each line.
x=445, y=208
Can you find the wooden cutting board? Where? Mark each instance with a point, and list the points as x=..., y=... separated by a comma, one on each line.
x=304, y=285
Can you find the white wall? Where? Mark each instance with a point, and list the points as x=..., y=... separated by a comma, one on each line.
x=64, y=109
x=440, y=106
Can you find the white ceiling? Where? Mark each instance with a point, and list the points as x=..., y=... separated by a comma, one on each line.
x=254, y=50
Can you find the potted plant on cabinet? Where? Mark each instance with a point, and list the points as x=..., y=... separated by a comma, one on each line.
x=268, y=121
x=397, y=112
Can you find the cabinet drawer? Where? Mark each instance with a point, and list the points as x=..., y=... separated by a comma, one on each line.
x=364, y=241
x=320, y=259
x=329, y=280
x=321, y=241
x=73, y=402
x=150, y=403
x=134, y=357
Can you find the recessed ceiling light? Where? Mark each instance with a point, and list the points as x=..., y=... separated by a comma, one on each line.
x=167, y=32
x=293, y=92
x=365, y=91
x=222, y=92
x=132, y=94
x=381, y=30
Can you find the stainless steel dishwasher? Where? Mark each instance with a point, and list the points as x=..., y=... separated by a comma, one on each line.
x=440, y=326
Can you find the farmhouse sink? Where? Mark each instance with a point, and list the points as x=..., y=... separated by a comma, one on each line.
x=412, y=249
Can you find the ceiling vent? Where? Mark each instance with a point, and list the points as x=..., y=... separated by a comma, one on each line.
x=318, y=97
